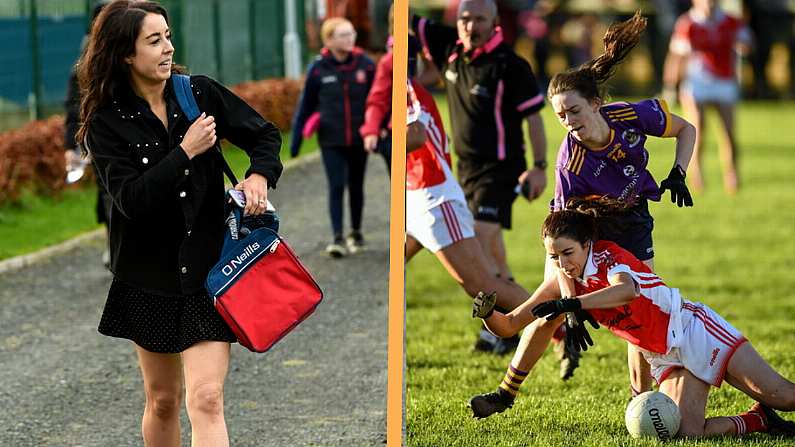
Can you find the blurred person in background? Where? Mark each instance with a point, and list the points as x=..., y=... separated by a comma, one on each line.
x=376, y=131
x=72, y=148
x=167, y=218
x=490, y=92
x=770, y=21
x=703, y=46
x=333, y=102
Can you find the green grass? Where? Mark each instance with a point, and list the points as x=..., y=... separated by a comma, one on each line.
x=37, y=222
x=734, y=254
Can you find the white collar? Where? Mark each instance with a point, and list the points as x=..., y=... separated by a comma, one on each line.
x=700, y=18
x=590, y=269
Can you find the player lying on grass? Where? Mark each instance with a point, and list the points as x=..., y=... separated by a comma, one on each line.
x=687, y=344
x=604, y=154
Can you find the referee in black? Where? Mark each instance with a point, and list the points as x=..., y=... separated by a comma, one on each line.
x=490, y=92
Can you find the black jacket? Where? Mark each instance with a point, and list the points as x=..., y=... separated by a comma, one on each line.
x=166, y=225
x=338, y=91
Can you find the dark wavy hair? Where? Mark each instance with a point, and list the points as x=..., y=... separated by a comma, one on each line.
x=588, y=78
x=582, y=217
x=101, y=70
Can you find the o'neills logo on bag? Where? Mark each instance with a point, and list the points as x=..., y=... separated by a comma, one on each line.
x=230, y=268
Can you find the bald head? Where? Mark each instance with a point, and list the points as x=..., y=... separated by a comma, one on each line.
x=476, y=22
x=489, y=6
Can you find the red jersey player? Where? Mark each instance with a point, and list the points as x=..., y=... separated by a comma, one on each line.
x=687, y=344
x=704, y=43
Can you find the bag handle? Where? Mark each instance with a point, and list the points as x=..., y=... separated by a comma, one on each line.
x=187, y=102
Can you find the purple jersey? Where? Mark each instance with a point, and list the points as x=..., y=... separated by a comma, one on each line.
x=619, y=169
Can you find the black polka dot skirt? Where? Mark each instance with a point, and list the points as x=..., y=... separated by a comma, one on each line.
x=163, y=324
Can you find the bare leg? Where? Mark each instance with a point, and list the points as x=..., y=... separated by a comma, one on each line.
x=485, y=233
x=412, y=248
x=501, y=256
x=639, y=370
x=534, y=341
x=749, y=373
x=465, y=262
x=728, y=148
x=206, y=364
x=695, y=114
x=162, y=374
x=690, y=394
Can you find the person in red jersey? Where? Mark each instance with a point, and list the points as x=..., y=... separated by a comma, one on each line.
x=703, y=45
x=437, y=217
x=688, y=345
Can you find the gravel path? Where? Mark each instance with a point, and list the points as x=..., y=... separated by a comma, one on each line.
x=64, y=384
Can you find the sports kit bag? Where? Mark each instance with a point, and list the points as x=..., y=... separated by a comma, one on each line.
x=259, y=286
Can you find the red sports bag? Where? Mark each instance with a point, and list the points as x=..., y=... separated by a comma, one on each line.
x=259, y=286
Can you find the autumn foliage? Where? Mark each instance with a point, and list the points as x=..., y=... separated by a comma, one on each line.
x=31, y=158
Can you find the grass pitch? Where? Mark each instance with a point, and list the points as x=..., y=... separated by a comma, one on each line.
x=733, y=253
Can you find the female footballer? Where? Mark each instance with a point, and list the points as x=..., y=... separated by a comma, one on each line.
x=704, y=43
x=604, y=154
x=687, y=344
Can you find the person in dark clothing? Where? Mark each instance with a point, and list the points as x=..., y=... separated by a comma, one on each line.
x=770, y=21
x=72, y=148
x=333, y=100
x=167, y=219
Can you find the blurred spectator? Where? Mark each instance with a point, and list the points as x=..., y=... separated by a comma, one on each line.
x=333, y=103
x=74, y=148
x=703, y=44
x=771, y=21
x=661, y=26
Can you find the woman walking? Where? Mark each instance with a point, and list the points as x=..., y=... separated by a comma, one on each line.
x=167, y=218
x=334, y=97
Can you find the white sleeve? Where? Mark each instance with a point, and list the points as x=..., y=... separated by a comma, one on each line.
x=680, y=46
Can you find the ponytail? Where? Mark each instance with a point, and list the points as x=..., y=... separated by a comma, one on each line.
x=588, y=78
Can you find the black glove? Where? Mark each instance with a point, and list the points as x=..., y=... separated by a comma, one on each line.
x=483, y=305
x=551, y=309
x=675, y=182
x=577, y=336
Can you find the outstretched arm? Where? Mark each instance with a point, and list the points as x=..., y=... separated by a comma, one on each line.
x=506, y=325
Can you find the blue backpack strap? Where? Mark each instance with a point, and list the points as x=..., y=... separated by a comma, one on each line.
x=185, y=98
x=187, y=102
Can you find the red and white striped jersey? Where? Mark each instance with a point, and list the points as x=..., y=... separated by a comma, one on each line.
x=652, y=321
x=424, y=166
x=709, y=41
x=429, y=178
